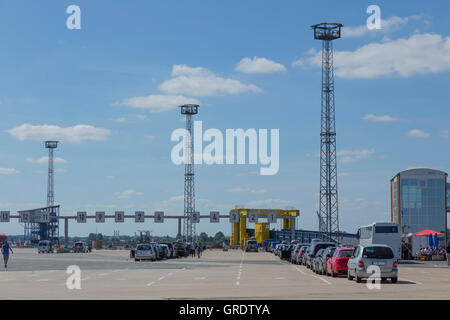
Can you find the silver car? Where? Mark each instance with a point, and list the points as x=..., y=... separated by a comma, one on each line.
x=366, y=255
x=145, y=251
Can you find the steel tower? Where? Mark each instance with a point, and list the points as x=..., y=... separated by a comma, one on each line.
x=328, y=203
x=189, y=188
x=50, y=145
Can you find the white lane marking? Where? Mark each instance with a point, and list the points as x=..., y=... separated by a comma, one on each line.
x=170, y=273
x=149, y=284
x=40, y=280
x=85, y=278
x=32, y=275
x=200, y=278
x=102, y=274
x=324, y=280
x=279, y=278
x=121, y=279
x=238, y=283
x=161, y=278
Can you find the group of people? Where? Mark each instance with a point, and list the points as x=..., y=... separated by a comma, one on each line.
x=196, y=250
x=429, y=252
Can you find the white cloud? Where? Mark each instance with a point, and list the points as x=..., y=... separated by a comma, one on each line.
x=258, y=65
x=76, y=133
x=128, y=194
x=374, y=118
x=202, y=82
x=120, y=120
x=387, y=25
x=418, y=54
x=156, y=102
x=247, y=190
x=349, y=156
x=416, y=133
x=9, y=171
x=45, y=160
x=184, y=70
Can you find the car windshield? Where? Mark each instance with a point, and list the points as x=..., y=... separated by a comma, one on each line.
x=345, y=253
x=378, y=253
x=143, y=247
x=252, y=242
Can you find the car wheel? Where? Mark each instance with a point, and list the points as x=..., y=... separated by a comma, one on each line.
x=394, y=280
x=383, y=279
x=136, y=260
x=349, y=277
x=358, y=279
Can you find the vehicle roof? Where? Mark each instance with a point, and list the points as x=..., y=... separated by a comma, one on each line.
x=374, y=245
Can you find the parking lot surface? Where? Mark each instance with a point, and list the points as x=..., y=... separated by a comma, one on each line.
x=110, y=274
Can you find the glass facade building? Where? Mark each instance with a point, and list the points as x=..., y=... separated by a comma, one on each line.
x=420, y=199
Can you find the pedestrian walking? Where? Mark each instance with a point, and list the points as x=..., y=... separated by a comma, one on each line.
x=5, y=252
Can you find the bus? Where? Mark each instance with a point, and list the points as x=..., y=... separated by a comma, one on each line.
x=387, y=233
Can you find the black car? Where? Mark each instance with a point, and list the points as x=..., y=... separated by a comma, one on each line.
x=312, y=251
x=285, y=252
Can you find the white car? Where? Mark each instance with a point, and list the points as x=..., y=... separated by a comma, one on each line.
x=45, y=246
x=145, y=251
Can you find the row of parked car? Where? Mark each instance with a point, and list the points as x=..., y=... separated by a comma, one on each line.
x=161, y=250
x=327, y=258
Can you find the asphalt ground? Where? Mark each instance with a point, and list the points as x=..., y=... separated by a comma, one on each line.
x=110, y=274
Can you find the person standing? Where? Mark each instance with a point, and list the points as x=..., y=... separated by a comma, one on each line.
x=5, y=252
x=448, y=254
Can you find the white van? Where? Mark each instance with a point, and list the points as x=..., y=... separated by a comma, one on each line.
x=45, y=246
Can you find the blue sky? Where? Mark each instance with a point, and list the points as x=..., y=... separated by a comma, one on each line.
x=117, y=77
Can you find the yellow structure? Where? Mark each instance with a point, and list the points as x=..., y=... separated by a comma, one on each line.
x=239, y=233
x=262, y=231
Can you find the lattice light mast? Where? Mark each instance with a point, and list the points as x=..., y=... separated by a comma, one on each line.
x=189, y=187
x=50, y=145
x=328, y=203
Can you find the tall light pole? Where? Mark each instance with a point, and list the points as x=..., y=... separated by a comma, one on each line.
x=328, y=203
x=189, y=187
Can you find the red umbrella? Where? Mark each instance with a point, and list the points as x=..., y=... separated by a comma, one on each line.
x=427, y=232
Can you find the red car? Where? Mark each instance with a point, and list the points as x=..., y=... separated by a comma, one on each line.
x=337, y=264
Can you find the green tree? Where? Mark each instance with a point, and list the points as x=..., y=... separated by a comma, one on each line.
x=203, y=237
x=219, y=237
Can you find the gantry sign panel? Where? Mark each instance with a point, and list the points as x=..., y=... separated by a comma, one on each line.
x=272, y=217
x=81, y=217
x=139, y=216
x=195, y=217
x=253, y=217
x=234, y=217
x=214, y=217
x=4, y=216
x=100, y=217
x=119, y=216
x=159, y=216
